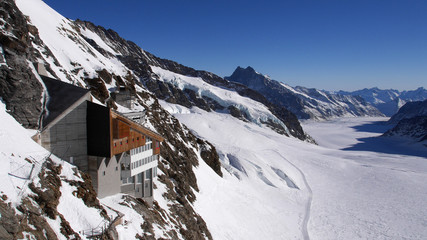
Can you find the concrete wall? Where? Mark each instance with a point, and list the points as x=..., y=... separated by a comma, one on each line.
x=108, y=179
x=67, y=138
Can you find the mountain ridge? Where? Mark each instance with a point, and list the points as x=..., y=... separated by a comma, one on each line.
x=304, y=102
x=388, y=101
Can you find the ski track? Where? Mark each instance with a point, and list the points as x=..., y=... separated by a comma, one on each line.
x=309, y=200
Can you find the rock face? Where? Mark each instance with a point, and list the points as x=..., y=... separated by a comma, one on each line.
x=410, y=110
x=414, y=128
x=388, y=101
x=305, y=103
x=19, y=87
x=410, y=121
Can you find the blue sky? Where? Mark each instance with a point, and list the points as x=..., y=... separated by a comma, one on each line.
x=324, y=44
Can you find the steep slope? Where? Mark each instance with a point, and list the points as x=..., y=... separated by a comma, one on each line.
x=414, y=128
x=410, y=122
x=410, y=110
x=19, y=88
x=388, y=101
x=42, y=197
x=303, y=102
x=62, y=47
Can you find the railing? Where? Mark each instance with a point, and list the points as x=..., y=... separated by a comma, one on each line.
x=102, y=228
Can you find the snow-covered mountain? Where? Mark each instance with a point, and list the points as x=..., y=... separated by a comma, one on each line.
x=237, y=169
x=410, y=121
x=92, y=57
x=304, y=102
x=388, y=101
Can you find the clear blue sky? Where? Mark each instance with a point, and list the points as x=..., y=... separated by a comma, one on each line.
x=324, y=44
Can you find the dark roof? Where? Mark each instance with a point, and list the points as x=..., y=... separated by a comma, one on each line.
x=61, y=96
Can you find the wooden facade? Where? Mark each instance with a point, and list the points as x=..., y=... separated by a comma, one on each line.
x=127, y=135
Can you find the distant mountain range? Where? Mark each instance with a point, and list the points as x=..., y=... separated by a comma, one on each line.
x=305, y=103
x=388, y=101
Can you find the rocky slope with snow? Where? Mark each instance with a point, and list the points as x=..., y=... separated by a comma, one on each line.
x=388, y=101
x=410, y=121
x=92, y=57
x=233, y=173
x=176, y=83
x=304, y=102
x=33, y=32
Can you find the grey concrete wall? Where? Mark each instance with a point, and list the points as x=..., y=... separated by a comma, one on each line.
x=108, y=180
x=67, y=138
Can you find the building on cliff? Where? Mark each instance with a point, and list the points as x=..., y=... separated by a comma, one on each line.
x=119, y=154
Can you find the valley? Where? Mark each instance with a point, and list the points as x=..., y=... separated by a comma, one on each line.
x=349, y=193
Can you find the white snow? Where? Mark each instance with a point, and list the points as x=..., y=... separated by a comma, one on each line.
x=18, y=154
x=71, y=50
x=256, y=111
x=343, y=193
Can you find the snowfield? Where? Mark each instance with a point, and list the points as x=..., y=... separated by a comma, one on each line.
x=276, y=187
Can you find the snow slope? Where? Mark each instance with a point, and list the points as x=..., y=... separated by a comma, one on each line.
x=256, y=111
x=342, y=193
x=18, y=154
x=75, y=58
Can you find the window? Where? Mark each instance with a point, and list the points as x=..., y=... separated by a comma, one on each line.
x=103, y=173
x=117, y=168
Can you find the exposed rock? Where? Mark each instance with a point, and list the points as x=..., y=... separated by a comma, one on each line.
x=86, y=192
x=98, y=89
x=414, y=127
x=410, y=110
x=177, y=165
x=19, y=88
x=48, y=194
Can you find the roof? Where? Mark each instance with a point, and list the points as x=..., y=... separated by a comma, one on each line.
x=61, y=96
x=137, y=127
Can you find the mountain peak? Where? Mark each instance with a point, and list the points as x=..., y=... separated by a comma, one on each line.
x=246, y=70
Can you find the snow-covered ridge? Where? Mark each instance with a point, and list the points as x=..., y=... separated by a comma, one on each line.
x=304, y=102
x=388, y=101
x=256, y=111
x=75, y=58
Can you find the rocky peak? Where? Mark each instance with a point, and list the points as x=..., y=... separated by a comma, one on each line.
x=249, y=77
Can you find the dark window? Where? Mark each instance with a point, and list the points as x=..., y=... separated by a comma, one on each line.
x=103, y=173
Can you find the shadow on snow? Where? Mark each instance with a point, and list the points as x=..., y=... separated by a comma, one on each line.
x=399, y=146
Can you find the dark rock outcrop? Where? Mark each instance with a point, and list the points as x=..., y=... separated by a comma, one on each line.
x=414, y=128
x=19, y=88
x=410, y=110
x=410, y=121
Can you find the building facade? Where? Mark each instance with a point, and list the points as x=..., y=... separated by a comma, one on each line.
x=119, y=154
